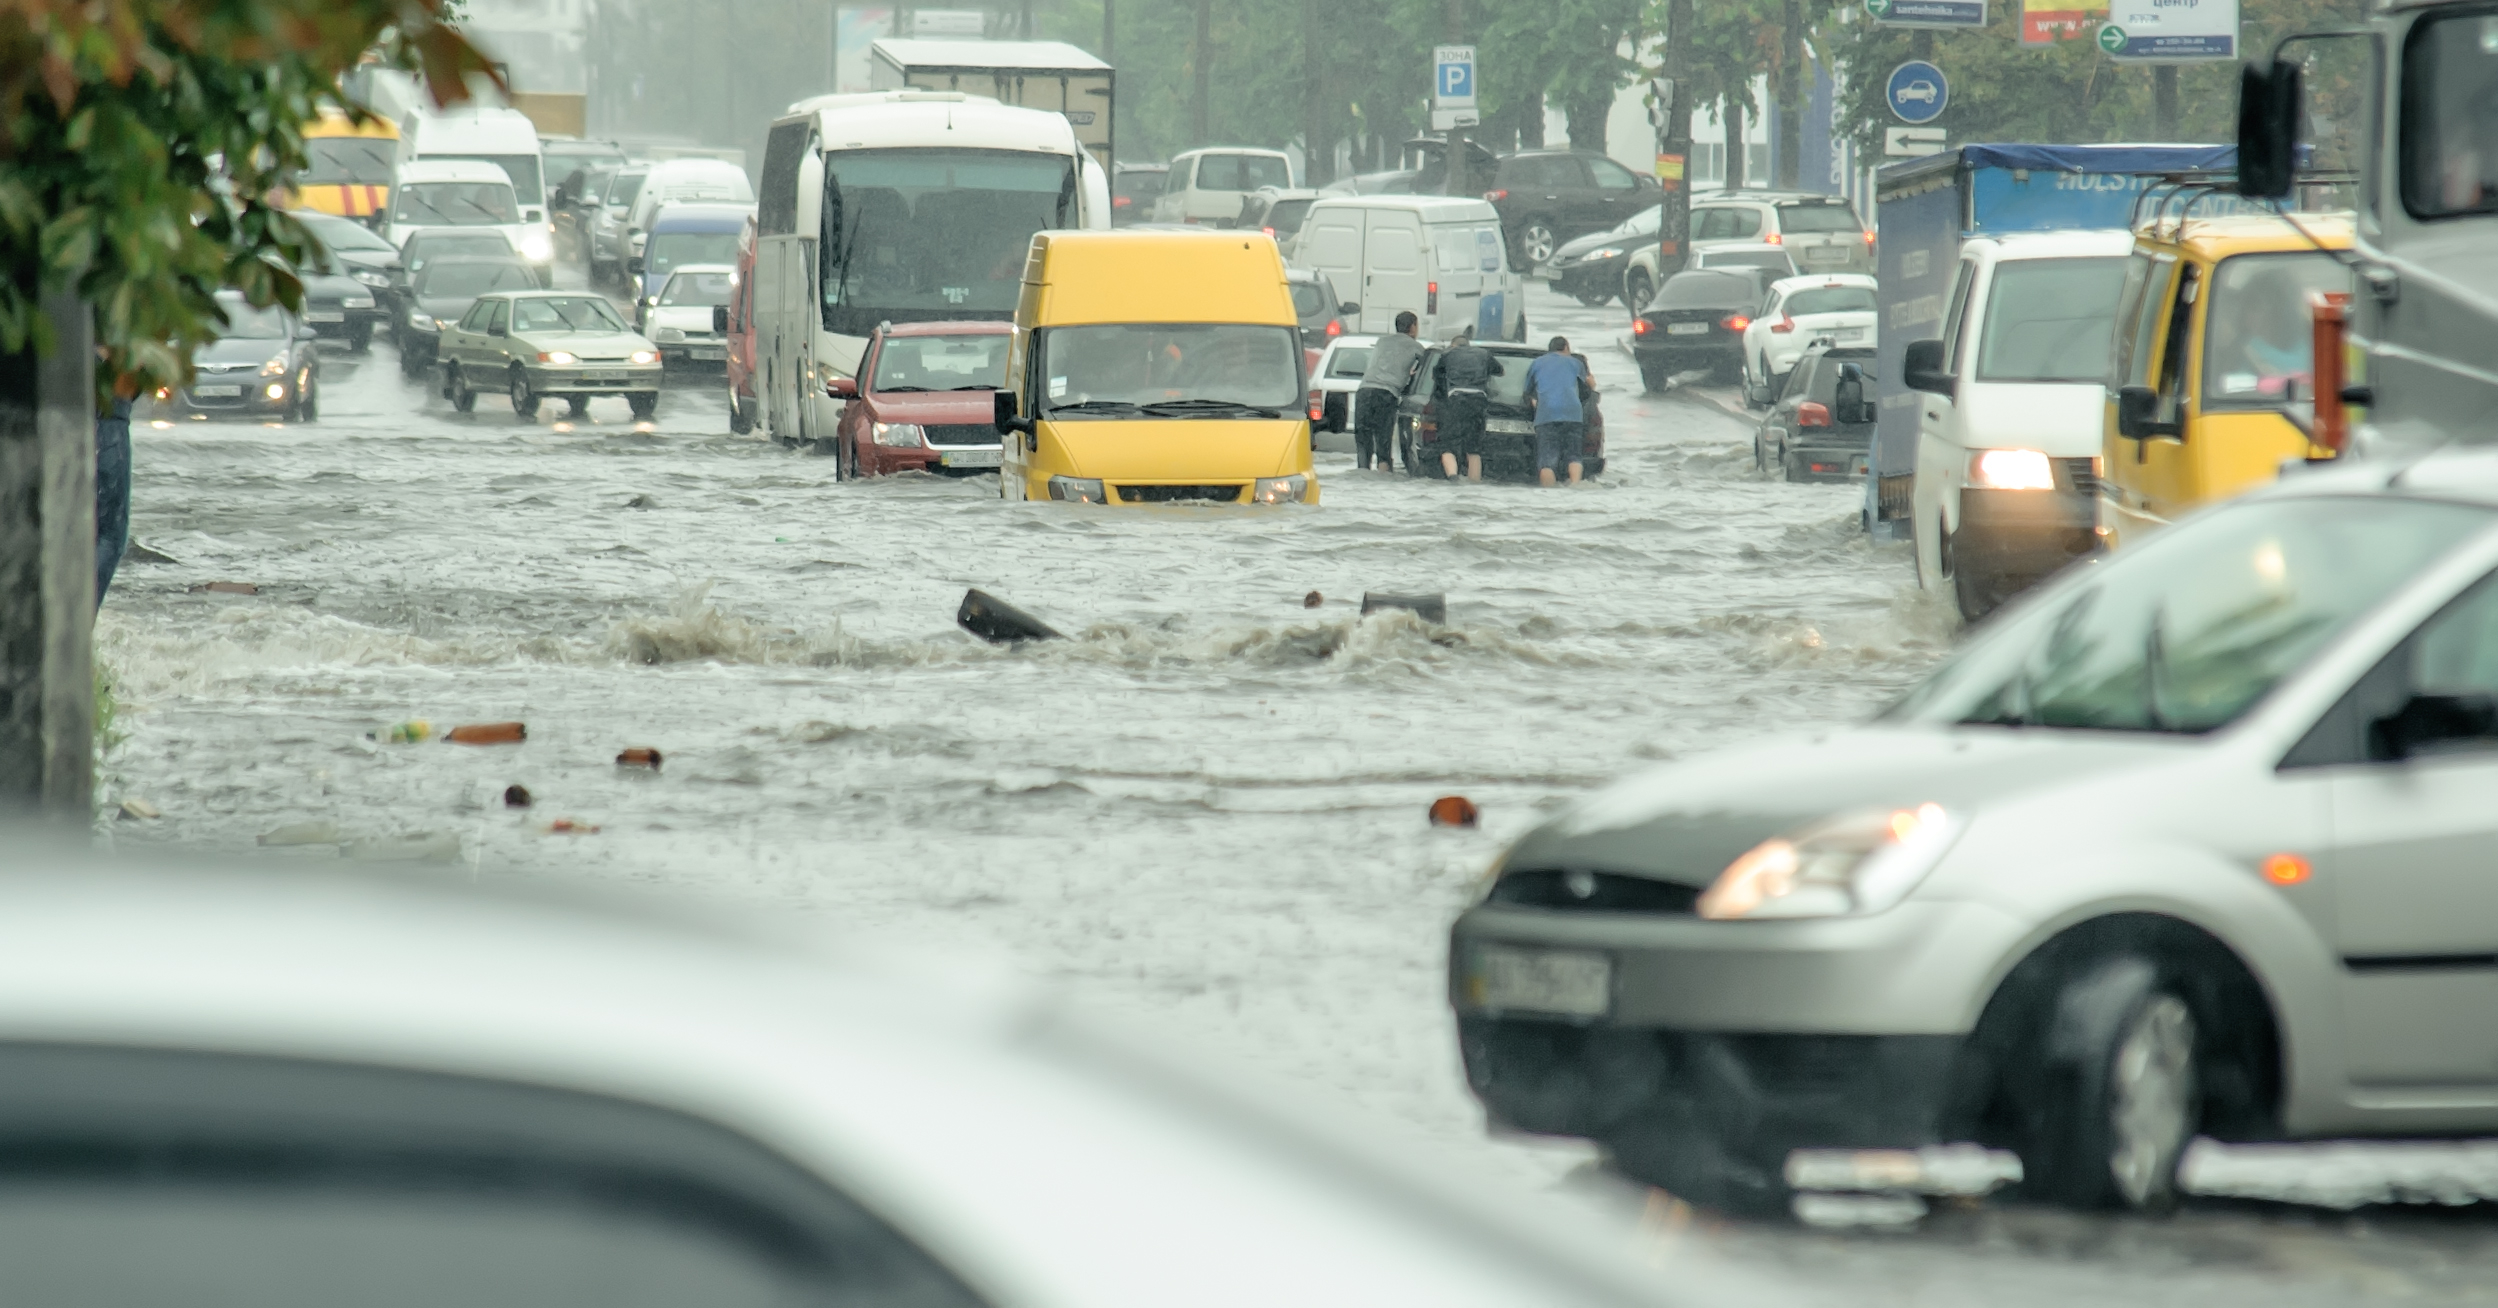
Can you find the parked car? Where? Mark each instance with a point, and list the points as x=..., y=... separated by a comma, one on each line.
x=1800, y=311
x=339, y=306
x=361, y=253
x=1134, y=189
x=1207, y=186
x=1547, y=197
x=924, y=400
x=441, y=295
x=608, y=247
x=577, y=172
x=1322, y=314
x=285, y=1088
x=683, y=233
x=1276, y=210
x=1333, y=384
x=1590, y=268
x=431, y=243
x=1820, y=426
x=466, y=193
x=710, y=182
x=534, y=344
x=1639, y=274
x=1508, y=423
x=679, y=318
x=1822, y=231
x=263, y=364
x=2191, y=840
x=1696, y=321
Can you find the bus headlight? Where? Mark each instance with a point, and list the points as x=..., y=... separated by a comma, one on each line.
x=1861, y=862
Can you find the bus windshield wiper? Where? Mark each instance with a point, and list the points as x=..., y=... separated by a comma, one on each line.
x=1209, y=406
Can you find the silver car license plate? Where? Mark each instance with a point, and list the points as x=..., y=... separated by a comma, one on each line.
x=1510, y=426
x=602, y=378
x=969, y=458
x=1566, y=983
x=1851, y=334
x=1686, y=328
x=216, y=392
x=712, y=354
x=323, y=315
x=1826, y=254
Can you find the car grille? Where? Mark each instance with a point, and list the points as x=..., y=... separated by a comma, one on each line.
x=1605, y=892
x=2082, y=474
x=967, y=434
x=1170, y=494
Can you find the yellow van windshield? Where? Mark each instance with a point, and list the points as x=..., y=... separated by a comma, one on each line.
x=1163, y=370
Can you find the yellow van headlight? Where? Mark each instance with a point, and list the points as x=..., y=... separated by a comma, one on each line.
x=1280, y=490
x=1079, y=490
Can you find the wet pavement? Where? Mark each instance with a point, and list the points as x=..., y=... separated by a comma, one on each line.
x=1206, y=809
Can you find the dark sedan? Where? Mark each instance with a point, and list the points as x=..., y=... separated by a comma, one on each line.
x=361, y=254
x=1697, y=321
x=264, y=365
x=1508, y=424
x=1821, y=426
x=1590, y=268
x=440, y=295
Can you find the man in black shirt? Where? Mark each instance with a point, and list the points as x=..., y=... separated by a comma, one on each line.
x=1466, y=372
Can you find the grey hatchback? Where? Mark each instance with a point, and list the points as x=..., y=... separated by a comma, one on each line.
x=2196, y=839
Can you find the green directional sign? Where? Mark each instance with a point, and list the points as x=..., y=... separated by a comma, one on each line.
x=1878, y=8
x=2111, y=37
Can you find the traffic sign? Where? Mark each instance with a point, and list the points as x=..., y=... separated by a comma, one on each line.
x=1912, y=142
x=1917, y=92
x=2155, y=32
x=1453, y=77
x=1928, y=13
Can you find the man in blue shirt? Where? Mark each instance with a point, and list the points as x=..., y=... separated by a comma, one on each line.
x=1553, y=383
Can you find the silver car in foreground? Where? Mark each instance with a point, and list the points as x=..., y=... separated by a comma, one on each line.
x=300, y=1087
x=2200, y=838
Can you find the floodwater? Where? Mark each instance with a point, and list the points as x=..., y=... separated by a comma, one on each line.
x=1205, y=809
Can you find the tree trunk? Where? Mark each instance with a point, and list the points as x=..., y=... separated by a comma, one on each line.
x=2164, y=102
x=1317, y=147
x=47, y=572
x=1736, y=164
x=1453, y=17
x=1201, y=133
x=1587, y=121
x=1531, y=123
x=1674, y=140
x=1788, y=75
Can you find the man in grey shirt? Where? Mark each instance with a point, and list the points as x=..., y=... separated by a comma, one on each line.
x=1384, y=380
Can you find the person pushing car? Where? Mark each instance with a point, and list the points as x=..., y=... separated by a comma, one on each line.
x=1384, y=379
x=1466, y=372
x=1554, y=384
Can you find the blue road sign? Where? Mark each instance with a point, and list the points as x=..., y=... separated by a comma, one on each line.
x=1917, y=92
x=1457, y=81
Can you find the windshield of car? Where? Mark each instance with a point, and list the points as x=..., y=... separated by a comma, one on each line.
x=1241, y=172
x=1286, y=217
x=470, y=280
x=1708, y=290
x=673, y=249
x=1831, y=299
x=1138, y=187
x=2050, y=320
x=698, y=288
x=342, y=233
x=2190, y=630
x=2450, y=116
x=424, y=247
x=925, y=233
x=566, y=313
x=942, y=363
x=1171, y=370
x=1349, y=361
x=245, y=323
x=2259, y=336
x=622, y=187
x=1808, y=218
x=343, y=160
x=454, y=204
x=1770, y=259
x=523, y=169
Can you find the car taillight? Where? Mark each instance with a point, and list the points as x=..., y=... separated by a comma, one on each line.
x=1812, y=413
x=1639, y=327
x=1734, y=322
x=1496, y=196
x=1869, y=238
x=1318, y=406
x=1268, y=230
x=1773, y=239
x=1431, y=298
x=1335, y=326
x=1121, y=201
x=1784, y=324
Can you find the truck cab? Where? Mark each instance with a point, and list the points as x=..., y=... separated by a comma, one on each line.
x=2211, y=389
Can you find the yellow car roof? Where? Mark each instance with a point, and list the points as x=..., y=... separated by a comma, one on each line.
x=1105, y=277
x=2212, y=239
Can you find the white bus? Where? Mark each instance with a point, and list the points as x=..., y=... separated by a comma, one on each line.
x=898, y=206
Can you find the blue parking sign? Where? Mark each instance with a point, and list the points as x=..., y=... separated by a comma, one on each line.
x=1917, y=92
x=1457, y=81
x=1453, y=77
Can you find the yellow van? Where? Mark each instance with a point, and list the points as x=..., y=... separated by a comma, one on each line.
x=349, y=167
x=1155, y=368
x=2212, y=385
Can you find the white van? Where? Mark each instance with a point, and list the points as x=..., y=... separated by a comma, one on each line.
x=2012, y=400
x=1440, y=256
x=704, y=181
x=1207, y=186
x=465, y=193
x=504, y=138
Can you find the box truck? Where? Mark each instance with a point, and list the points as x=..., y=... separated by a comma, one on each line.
x=1051, y=75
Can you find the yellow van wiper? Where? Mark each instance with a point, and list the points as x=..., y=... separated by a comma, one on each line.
x=1096, y=406
x=1211, y=406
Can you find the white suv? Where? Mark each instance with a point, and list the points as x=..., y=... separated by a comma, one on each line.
x=1820, y=233
x=1207, y=186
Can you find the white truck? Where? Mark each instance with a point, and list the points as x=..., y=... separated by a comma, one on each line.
x=1050, y=75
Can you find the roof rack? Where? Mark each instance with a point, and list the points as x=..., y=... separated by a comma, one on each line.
x=2182, y=191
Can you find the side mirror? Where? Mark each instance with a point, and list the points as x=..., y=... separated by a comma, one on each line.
x=1848, y=407
x=842, y=388
x=1922, y=368
x=720, y=319
x=1008, y=413
x=2138, y=415
x=1349, y=309
x=2427, y=719
x=634, y=265
x=2269, y=97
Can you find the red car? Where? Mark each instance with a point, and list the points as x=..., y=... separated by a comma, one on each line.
x=922, y=401
x=735, y=321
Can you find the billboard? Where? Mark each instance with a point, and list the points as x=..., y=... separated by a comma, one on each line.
x=2045, y=22
x=2171, y=31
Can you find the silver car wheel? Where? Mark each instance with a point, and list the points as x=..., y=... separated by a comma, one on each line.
x=1537, y=243
x=2152, y=1098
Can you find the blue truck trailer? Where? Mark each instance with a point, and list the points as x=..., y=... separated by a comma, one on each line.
x=1927, y=207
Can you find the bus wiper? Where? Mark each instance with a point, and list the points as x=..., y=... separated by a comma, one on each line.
x=1209, y=406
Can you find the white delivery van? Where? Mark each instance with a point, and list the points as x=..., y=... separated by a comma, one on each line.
x=1440, y=256
x=463, y=193
x=1207, y=186
x=504, y=138
x=2012, y=400
x=681, y=181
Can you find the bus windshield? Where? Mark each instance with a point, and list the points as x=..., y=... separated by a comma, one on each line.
x=915, y=235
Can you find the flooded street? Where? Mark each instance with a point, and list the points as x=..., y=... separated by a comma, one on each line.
x=1205, y=810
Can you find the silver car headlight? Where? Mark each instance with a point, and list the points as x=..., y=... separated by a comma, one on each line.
x=356, y=302
x=371, y=278
x=669, y=336
x=646, y=356
x=903, y=434
x=1861, y=862
x=423, y=322
x=1080, y=490
x=1280, y=490
x=536, y=248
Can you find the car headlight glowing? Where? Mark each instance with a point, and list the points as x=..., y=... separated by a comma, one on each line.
x=273, y=367
x=1609, y=252
x=1080, y=490
x=903, y=434
x=424, y=322
x=1280, y=490
x=1861, y=862
x=646, y=356
x=2014, y=470
x=670, y=336
x=536, y=248
x=277, y=390
x=561, y=358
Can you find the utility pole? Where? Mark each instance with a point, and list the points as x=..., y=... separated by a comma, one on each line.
x=1027, y=19
x=1674, y=144
x=1110, y=12
x=47, y=570
x=1790, y=94
x=1205, y=51
x=1318, y=155
x=1453, y=17
x=2164, y=101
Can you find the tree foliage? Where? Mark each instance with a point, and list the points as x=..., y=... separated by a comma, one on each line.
x=141, y=139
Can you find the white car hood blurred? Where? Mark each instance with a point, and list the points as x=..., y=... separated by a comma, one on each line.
x=683, y=317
